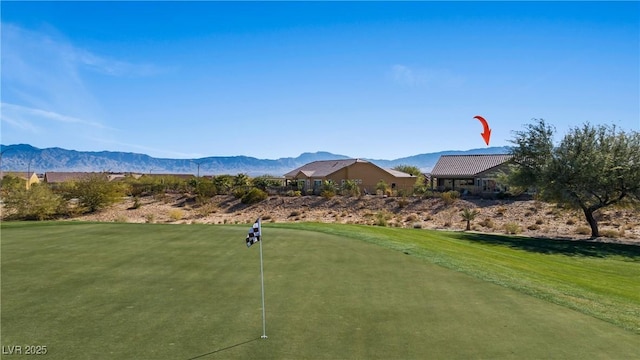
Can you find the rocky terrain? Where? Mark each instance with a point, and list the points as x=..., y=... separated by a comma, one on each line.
x=527, y=218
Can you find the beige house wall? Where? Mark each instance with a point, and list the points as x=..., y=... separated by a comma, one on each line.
x=366, y=176
x=29, y=179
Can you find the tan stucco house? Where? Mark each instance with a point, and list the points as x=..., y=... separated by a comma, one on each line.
x=29, y=178
x=366, y=174
x=475, y=174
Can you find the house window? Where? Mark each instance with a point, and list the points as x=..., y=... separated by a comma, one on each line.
x=488, y=185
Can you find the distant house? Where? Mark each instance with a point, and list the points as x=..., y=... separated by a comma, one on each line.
x=29, y=178
x=178, y=176
x=57, y=177
x=366, y=175
x=475, y=174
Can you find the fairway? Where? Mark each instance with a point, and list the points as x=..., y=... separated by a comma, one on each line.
x=154, y=291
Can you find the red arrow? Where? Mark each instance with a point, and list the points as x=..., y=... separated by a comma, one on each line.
x=486, y=134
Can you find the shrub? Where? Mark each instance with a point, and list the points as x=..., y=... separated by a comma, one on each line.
x=136, y=203
x=37, y=203
x=571, y=222
x=328, y=189
x=150, y=218
x=610, y=233
x=402, y=202
x=254, y=196
x=328, y=194
x=449, y=197
x=533, y=227
x=205, y=188
x=539, y=222
x=176, y=214
x=239, y=193
x=411, y=218
x=264, y=182
x=488, y=223
x=583, y=230
x=428, y=194
x=403, y=193
x=382, y=187
x=350, y=188
x=294, y=213
x=512, y=228
x=95, y=192
x=382, y=218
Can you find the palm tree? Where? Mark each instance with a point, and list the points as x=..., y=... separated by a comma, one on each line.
x=469, y=215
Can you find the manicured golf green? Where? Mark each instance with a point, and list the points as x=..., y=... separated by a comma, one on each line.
x=153, y=291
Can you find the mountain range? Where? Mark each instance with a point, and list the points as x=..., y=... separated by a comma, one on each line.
x=24, y=157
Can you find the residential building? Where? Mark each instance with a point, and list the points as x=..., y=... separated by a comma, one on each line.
x=29, y=178
x=470, y=174
x=365, y=174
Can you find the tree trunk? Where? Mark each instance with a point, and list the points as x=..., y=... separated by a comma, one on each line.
x=588, y=213
x=468, y=225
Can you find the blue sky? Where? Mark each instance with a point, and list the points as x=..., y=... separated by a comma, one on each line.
x=376, y=80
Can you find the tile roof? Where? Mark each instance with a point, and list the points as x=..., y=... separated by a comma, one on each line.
x=467, y=165
x=322, y=168
x=62, y=176
x=18, y=174
x=397, y=173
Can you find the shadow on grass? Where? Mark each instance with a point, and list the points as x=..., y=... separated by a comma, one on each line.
x=223, y=349
x=555, y=246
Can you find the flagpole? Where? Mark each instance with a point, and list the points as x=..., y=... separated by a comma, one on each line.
x=264, y=326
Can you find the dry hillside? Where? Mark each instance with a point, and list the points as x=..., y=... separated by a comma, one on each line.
x=529, y=218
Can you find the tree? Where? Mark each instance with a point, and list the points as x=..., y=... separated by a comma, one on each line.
x=592, y=167
x=37, y=203
x=409, y=169
x=264, y=182
x=468, y=215
x=223, y=183
x=420, y=186
x=96, y=192
x=10, y=183
x=241, y=180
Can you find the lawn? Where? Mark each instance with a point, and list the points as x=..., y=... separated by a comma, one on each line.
x=155, y=291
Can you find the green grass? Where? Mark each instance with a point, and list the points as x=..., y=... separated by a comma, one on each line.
x=599, y=279
x=155, y=291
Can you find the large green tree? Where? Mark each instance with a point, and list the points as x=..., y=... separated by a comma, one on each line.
x=409, y=169
x=36, y=203
x=95, y=192
x=591, y=168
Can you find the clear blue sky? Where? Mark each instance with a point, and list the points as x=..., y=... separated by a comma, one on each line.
x=375, y=80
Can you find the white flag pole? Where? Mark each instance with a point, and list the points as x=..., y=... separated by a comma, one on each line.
x=264, y=327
